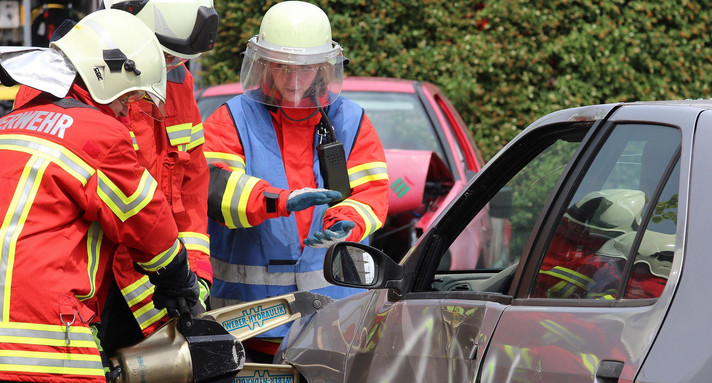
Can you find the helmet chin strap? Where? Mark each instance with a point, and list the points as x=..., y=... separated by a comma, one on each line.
x=284, y=113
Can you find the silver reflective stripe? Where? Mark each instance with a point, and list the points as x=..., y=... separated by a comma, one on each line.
x=101, y=32
x=251, y=275
x=235, y=207
x=40, y=359
x=27, y=335
x=195, y=241
x=137, y=293
x=127, y=205
x=163, y=259
x=94, y=238
x=311, y=280
x=14, y=220
x=148, y=315
x=62, y=157
x=133, y=140
x=367, y=172
x=179, y=134
x=197, y=137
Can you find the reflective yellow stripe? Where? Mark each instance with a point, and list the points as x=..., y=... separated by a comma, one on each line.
x=372, y=171
x=163, y=259
x=148, y=315
x=134, y=294
x=195, y=241
x=197, y=137
x=233, y=161
x=133, y=140
x=234, y=201
x=45, y=335
x=57, y=154
x=137, y=291
x=369, y=217
x=179, y=134
x=590, y=361
x=122, y=205
x=51, y=370
x=51, y=362
x=95, y=236
x=14, y=221
x=562, y=333
x=569, y=275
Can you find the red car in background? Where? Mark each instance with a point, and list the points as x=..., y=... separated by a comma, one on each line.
x=430, y=156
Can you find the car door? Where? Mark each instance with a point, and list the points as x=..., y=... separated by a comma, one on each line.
x=600, y=273
x=439, y=328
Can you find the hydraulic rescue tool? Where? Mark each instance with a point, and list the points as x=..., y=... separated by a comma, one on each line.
x=208, y=348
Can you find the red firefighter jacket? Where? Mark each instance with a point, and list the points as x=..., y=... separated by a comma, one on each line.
x=172, y=151
x=71, y=188
x=295, y=132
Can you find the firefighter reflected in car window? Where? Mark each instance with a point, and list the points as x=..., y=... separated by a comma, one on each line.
x=585, y=227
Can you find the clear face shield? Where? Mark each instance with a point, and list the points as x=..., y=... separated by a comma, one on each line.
x=292, y=77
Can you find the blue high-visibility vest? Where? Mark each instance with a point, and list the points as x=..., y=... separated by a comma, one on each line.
x=267, y=260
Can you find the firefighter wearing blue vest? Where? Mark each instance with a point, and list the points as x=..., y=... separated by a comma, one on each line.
x=272, y=208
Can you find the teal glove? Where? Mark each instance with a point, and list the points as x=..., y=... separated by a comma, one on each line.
x=305, y=198
x=338, y=232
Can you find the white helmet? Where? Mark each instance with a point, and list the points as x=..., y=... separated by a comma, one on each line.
x=656, y=250
x=185, y=28
x=115, y=53
x=292, y=62
x=610, y=211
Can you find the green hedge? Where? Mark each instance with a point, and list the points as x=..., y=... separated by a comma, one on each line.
x=506, y=63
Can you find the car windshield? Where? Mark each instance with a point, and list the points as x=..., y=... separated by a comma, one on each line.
x=399, y=118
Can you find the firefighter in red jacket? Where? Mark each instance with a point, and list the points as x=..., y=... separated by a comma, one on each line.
x=171, y=148
x=269, y=189
x=72, y=189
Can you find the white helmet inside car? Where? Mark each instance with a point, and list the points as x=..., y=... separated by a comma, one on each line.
x=185, y=28
x=115, y=53
x=656, y=250
x=292, y=62
x=610, y=211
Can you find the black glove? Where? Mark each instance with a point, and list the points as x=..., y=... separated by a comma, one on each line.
x=177, y=287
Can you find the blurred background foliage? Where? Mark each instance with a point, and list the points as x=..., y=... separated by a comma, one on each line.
x=506, y=63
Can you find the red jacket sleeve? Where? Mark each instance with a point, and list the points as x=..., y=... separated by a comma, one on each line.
x=223, y=150
x=123, y=197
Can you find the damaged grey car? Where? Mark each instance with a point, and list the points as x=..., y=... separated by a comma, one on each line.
x=606, y=208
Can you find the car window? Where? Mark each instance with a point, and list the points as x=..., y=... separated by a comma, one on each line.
x=496, y=237
x=400, y=120
x=484, y=254
x=617, y=233
x=208, y=105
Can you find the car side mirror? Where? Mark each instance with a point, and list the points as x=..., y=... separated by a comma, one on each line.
x=500, y=205
x=354, y=264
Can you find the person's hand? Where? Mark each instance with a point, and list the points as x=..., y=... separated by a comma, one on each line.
x=338, y=232
x=174, y=287
x=305, y=198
